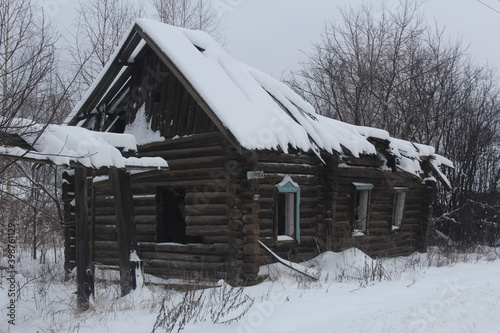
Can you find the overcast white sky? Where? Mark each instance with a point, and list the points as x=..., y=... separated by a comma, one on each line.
x=273, y=35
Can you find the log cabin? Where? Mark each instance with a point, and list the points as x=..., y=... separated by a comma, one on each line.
x=249, y=161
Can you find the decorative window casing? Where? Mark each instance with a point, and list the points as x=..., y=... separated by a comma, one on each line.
x=287, y=210
x=399, y=206
x=361, y=205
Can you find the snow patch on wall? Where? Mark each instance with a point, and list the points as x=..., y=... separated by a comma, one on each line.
x=140, y=128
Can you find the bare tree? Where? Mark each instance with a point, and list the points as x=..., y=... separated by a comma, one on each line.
x=191, y=14
x=27, y=58
x=27, y=55
x=99, y=29
x=394, y=72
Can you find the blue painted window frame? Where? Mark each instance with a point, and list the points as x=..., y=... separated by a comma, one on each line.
x=291, y=188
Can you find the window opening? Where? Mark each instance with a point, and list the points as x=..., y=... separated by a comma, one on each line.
x=287, y=210
x=361, y=208
x=399, y=205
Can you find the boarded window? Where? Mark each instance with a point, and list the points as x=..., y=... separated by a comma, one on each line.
x=287, y=211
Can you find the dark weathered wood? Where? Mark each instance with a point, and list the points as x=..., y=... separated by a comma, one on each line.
x=180, y=153
x=205, y=139
x=84, y=280
x=183, y=257
x=219, y=248
x=187, y=85
x=188, y=265
x=206, y=220
x=125, y=227
x=68, y=195
x=369, y=161
x=207, y=230
x=92, y=217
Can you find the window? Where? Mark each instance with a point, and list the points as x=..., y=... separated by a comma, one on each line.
x=287, y=210
x=171, y=217
x=361, y=205
x=399, y=205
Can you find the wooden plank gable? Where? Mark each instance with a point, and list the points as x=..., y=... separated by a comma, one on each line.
x=172, y=105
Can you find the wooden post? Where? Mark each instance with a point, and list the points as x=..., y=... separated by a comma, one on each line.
x=92, y=226
x=84, y=279
x=125, y=228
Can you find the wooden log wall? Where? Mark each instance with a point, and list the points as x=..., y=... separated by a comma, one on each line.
x=221, y=213
x=303, y=169
x=197, y=165
x=242, y=211
x=380, y=240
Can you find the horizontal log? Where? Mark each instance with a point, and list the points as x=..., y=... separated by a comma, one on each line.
x=266, y=223
x=101, y=253
x=106, y=245
x=200, y=184
x=147, y=237
x=200, y=258
x=365, y=161
x=206, y=161
x=199, y=140
x=203, y=199
x=198, y=266
x=303, y=188
x=146, y=229
x=105, y=220
x=308, y=232
x=287, y=158
x=266, y=233
x=273, y=179
x=217, y=230
x=191, y=172
x=146, y=219
x=378, y=178
x=219, y=248
x=111, y=261
x=180, y=153
x=184, y=274
x=108, y=236
x=306, y=213
x=104, y=228
x=269, y=167
x=215, y=239
x=206, y=220
x=104, y=200
x=206, y=209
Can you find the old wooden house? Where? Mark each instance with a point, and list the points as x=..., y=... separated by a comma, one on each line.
x=249, y=161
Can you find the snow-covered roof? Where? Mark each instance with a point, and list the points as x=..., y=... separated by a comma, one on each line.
x=70, y=145
x=259, y=111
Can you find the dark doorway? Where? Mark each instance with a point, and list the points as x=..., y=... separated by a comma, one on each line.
x=171, y=216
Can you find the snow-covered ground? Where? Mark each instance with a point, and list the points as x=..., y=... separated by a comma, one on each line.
x=421, y=293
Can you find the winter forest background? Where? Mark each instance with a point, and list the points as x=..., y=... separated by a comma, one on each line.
x=389, y=69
